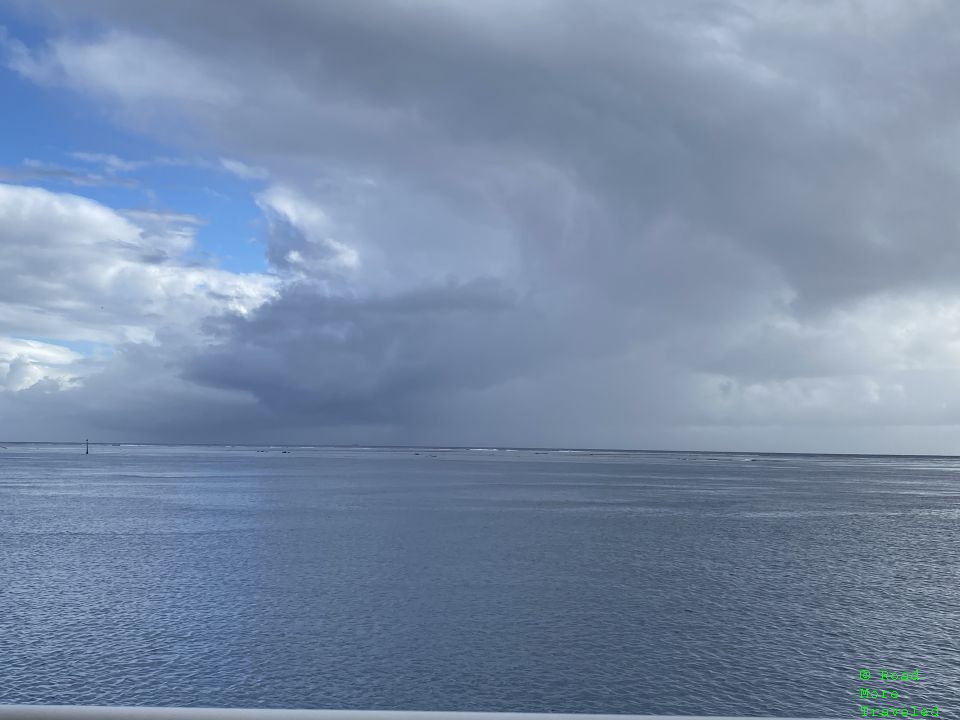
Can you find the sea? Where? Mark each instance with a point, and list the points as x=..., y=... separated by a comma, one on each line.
x=478, y=579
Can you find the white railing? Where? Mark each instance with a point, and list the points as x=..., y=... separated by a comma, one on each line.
x=92, y=712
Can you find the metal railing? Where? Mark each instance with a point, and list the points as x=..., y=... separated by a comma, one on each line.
x=95, y=712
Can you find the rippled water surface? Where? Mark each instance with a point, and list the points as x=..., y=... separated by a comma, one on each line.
x=660, y=583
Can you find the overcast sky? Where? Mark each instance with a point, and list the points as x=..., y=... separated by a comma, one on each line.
x=708, y=224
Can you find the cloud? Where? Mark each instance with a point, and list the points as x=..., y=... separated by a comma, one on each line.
x=300, y=234
x=78, y=271
x=26, y=363
x=37, y=170
x=164, y=217
x=112, y=163
x=244, y=171
x=627, y=224
x=160, y=73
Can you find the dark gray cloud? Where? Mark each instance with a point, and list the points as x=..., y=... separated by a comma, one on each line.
x=643, y=222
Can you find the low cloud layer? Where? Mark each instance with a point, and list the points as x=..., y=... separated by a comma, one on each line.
x=722, y=224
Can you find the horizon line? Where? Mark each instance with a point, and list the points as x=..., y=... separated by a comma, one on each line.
x=360, y=446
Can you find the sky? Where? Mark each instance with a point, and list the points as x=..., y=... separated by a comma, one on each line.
x=641, y=224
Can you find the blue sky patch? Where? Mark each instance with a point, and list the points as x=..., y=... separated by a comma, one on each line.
x=56, y=139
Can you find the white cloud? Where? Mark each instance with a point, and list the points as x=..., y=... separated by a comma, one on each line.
x=25, y=363
x=111, y=162
x=165, y=217
x=75, y=269
x=302, y=234
x=244, y=171
x=124, y=67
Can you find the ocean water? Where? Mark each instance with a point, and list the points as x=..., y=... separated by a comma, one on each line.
x=661, y=583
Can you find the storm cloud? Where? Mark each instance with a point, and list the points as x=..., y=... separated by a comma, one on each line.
x=717, y=224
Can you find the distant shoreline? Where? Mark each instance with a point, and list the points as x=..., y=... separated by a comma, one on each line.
x=463, y=448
